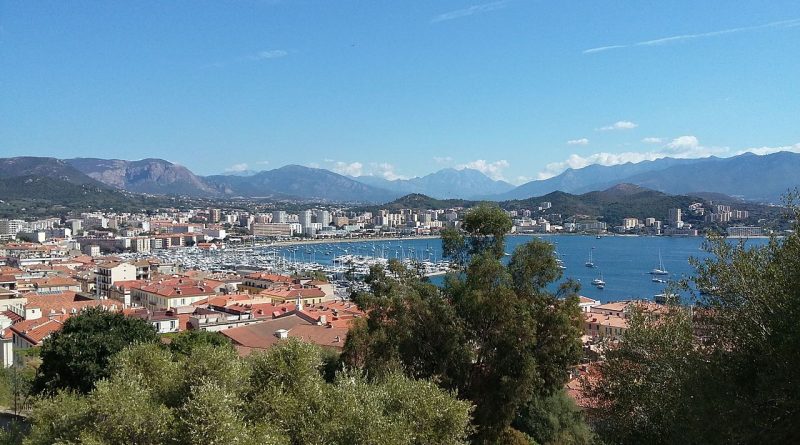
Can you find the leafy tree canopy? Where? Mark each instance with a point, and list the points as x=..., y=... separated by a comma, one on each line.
x=725, y=371
x=211, y=396
x=77, y=356
x=493, y=334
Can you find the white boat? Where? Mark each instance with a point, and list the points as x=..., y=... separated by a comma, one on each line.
x=590, y=263
x=599, y=281
x=660, y=269
x=659, y=280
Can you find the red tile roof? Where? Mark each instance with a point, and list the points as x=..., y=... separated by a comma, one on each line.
x=54, y=282
x=34, y=331
x=63, y=302
x=13, y=316
x=179, y=287
x=275, y=278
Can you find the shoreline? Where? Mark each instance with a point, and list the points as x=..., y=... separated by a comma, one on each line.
x=345, y=240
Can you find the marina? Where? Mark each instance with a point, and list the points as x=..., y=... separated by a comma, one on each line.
x=623, y=260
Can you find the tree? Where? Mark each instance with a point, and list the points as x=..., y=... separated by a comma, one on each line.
x=77, y=356
x=274, y=398
x=553, y=419
x=724, y=371
x=493, y=334
x=187, y=341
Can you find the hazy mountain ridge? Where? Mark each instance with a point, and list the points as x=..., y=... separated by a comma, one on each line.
x=757, y=178
x=752, y=177
x=153, y=176
x=302, y=182
x=448, y=183
x=43, y=167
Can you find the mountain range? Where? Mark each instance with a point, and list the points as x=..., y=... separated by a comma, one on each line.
x=610, y=205
x=761, y=178
x=444, y=184
x=748, y=176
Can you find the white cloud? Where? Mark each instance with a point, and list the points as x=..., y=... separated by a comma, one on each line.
x=522, y=180
x=682, y=143
x=681, y=147
x=237, y=168
x=769, y=150
x=269, y=54
x=262, y=162
x=581, y=141
x=619, y=125
x=683, y=37
x=385, y=171
x=349, y=169
x=652, y=140
x=471, y=10
x=443, y=159
x=493, y=170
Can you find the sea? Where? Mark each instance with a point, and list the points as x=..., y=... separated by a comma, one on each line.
x=623, y=262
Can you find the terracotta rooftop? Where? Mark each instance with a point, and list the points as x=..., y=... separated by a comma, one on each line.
x=62, y=303
x=275, y=278
x=37, y=330
x=54, y=282
x=179, y=287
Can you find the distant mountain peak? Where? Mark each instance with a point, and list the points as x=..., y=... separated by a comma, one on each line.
x=626, y=188
x=447, y=183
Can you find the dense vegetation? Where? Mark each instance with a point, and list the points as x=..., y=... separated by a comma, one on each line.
x=494, y=334
x=423, y=202
x=610, y=206
x=211, y=396
x=39, y=196
x=726, y=371
x=77, y=357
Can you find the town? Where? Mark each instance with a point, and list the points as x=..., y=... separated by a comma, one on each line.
x=133, y=263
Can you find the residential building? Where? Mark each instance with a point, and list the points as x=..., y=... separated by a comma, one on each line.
x=273, y=230
x=170, y=293
x=279, y=217
x=110, y=272
x=745, y=231
x=674, y=218
x=630, y=223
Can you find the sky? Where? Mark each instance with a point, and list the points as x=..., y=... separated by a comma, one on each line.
x=518, y=89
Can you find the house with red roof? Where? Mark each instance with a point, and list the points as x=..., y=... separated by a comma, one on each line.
x=170, y=293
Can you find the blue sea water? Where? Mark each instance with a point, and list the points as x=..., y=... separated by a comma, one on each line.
x=623, y=261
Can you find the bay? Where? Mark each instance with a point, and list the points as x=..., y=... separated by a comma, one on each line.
x=623, y=261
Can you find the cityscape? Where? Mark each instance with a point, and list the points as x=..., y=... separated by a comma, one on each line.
x=454, y=223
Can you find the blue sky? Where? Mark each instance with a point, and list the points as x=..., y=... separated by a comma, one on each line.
x=518, y=89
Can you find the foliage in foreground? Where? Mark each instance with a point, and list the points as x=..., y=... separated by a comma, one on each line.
x=494, y=334
x=77, y=356
x=211, y=396
x=726, y=371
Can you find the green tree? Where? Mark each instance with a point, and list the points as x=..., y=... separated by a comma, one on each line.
x=494, y=334
x=724, y=371
x=187, y=341
x=279, y=397
x=77, y=356
x=553, y=419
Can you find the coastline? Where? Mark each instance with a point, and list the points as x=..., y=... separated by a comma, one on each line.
x=347, y=240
